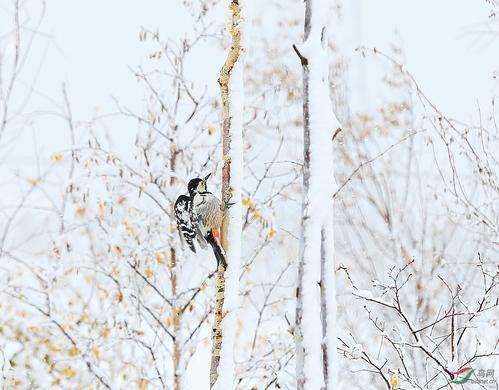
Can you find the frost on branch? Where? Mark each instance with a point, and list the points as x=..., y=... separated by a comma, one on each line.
x=316, y=296
x=413, y=346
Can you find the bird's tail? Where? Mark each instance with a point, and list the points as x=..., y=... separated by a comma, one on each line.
x=217, y=250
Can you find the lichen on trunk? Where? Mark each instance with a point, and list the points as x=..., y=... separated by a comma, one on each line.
x=175, y=320
x=173, y=282
x=228, y=191
x=216, y=337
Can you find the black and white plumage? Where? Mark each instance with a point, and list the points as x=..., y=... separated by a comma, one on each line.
x=199, y=215
x=186, y=227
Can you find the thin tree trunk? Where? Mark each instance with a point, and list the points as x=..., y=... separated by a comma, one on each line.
x=316, y=299
x=173, y=283
x=175, y=320
x=216, y=337
x=227, y=283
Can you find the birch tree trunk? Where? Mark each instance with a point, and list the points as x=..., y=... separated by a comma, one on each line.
x=227, y=290
x=316, y=293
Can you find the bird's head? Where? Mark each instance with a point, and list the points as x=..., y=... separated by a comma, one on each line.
x=198, y=185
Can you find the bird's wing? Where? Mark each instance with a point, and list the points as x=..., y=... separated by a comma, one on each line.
x=197, y=228
x=186, y=227
x=208, y=213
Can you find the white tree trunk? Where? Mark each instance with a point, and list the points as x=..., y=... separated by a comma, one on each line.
x=316, y=295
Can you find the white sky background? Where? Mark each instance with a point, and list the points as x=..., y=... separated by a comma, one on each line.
x=446, y=45
x=449, y=47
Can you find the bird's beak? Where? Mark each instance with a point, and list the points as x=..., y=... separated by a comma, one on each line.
x=207, y=176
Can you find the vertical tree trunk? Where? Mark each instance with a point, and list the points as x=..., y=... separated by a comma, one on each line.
x=175, y=320
x=227, y=283
x=316, y=293
x=173, y=282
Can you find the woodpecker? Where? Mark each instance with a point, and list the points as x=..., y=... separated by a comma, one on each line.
x=199, y=215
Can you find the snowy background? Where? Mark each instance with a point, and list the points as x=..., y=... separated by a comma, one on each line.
x=115, y=105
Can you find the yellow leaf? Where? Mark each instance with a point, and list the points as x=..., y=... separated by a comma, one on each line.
x=56, y=157
x=115, y=271
x=53, y=348
x=258, y=215
x=143, y=384
x=211, y=129
x=56, y=382
x=159, y=258
x=34, y=329
x=104, y=332
x=101, y=207
x=104, y=292
x=394, y=381
x=245, y=201
x=233, y=6
x=84, y=318
x=80, y=212
x=70, y=270
x=96, y=352
x=271, y=233
x=74, y=351
x=118, y=250
x=34, y=181
x=148, y=273
x=68, y=371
